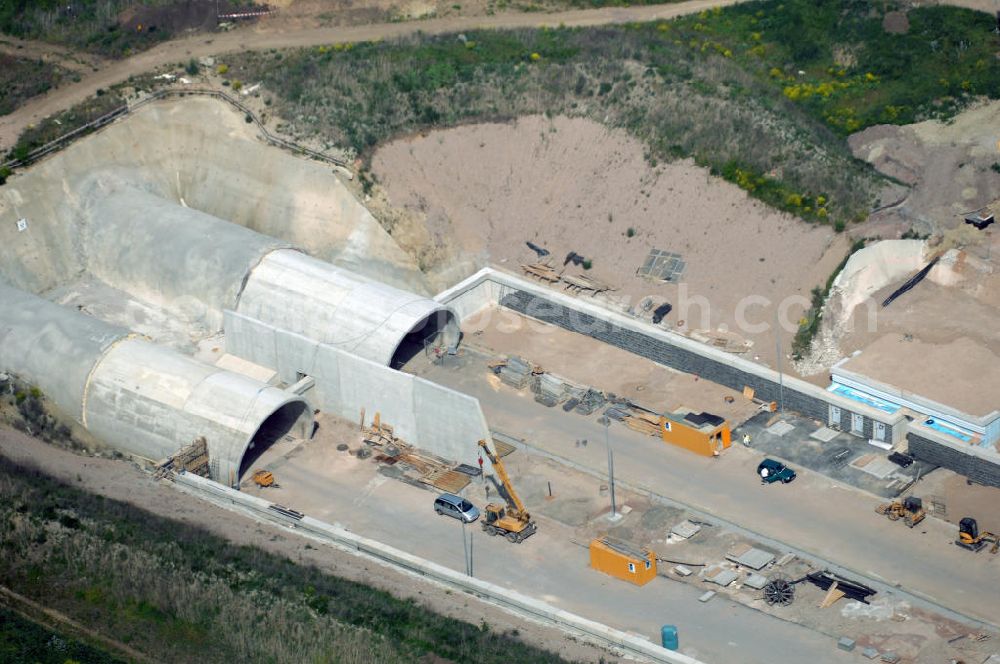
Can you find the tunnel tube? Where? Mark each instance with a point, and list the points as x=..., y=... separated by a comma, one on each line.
x=150, y=401
x=288, y=418
x=295, y=292
x=136, y=396
x=52, y=347
x=439, y=329
x=183, y=260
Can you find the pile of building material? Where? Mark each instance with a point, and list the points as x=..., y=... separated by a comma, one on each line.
x=644, y=422
x=729, y=342
x=838, y=586
x=719, y=575
x=192, y=458
x=515, y=371
x=549, y=389
x=415, y=466
x=574, y=283
x=579, y=283
x=542, y=271
x=590, y=401
x=749, y=556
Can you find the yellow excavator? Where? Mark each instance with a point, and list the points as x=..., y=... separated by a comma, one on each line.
x=511, y=520
x=969, y=536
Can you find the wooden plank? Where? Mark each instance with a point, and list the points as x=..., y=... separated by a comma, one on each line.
x=832, y=595
x=501, y=448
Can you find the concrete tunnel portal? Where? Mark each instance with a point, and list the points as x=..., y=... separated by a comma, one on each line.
x=109, y=299
x=438, y=330
x=292, y=418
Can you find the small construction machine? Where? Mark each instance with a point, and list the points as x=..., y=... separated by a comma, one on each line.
x=264, y=479
x=970, y=538
x=910, y=509
x=511, y=520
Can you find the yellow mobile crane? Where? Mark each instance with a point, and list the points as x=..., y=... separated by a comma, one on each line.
x=512, y=521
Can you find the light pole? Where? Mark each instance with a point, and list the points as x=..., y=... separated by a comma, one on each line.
x=781, y=378
x=465, y=546
x=611, y=464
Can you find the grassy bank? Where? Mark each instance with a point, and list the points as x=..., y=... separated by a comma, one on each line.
x=810, y=323
x=24, y=78
x=113, y=28
x=26, y=641
x=182, y=594
x=851, y=63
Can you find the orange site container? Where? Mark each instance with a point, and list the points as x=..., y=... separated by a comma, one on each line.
x=622, y=560
x=703, y=435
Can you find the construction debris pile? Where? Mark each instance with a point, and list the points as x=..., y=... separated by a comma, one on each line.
x=416, y=467
x=574, y=283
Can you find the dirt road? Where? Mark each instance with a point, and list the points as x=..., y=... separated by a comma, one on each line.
x=262, y=36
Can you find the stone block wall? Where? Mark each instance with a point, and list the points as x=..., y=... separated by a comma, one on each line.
x=676, y=357
x=972, y=466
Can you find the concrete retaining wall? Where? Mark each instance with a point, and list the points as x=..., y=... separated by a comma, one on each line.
x=972, y=462
x=670, y=349
x=508, y=599
x=427, y=415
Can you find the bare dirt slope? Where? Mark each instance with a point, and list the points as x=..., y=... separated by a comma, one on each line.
x=949, y=166
x=120, y=481
x=949, y=169
x=573, y=185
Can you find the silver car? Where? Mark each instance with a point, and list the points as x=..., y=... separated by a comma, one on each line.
x=456, y=506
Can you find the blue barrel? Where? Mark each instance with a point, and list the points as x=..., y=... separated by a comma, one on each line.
x=668, y=637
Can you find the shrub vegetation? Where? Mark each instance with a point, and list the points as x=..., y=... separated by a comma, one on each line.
x=22, y=640
x=24, y=78
x=89, y=25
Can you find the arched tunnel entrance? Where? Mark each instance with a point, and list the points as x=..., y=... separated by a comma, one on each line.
x=293, y=418
x=438, y=330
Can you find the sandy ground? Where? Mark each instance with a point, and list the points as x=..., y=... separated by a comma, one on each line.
x=501, y=332
x=574, y=185
x=121, y=481
x=963, y=499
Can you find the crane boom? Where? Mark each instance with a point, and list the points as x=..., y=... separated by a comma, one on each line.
x=513, y=501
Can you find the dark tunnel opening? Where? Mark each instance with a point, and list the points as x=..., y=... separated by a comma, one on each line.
x=435, y=333
x=274, y=428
